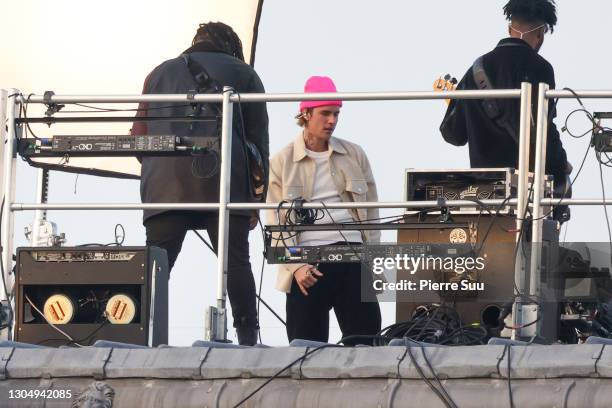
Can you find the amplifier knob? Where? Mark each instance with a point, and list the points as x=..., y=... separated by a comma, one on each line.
x=121, y=309
x=59, y=309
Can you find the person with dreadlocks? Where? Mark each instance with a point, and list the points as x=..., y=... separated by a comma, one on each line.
x=214, y=60
x=492, y=134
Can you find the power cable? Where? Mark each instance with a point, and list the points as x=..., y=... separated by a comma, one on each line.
x=605, y=207
x=280, y=319
x=346, y=241
x=79, y=342
x=523, y=219
x=447, y=403
x=97, y=109
x=279, y=372
x=436, y=324
x=259, y=298
x=258, y=295
x=440, y=391
x=594, y=128
x=204, y=241
x=433, y=372
x=63, y=333
x=263, y=262
x=510, y=397
x=118, y=239
x=565, y=128
x=24, y=107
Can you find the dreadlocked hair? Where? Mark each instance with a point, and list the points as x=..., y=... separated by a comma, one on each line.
x=220, y=36
x=532, y=11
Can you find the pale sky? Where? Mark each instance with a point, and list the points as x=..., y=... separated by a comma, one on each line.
x=75, y=47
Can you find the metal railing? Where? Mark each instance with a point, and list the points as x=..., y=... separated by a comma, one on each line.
x=9, y=101
x=544, y=95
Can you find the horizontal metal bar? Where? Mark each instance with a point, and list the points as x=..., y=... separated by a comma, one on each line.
x=246, y=206
x=558, y=93
x=361, y=227
x=576, y=201
x=124, y=98
x=272, y=206
x=293, y=97
x=111, y=206
x=374, y=204
x=94, y=119
x=379, y=96
x=282, y=97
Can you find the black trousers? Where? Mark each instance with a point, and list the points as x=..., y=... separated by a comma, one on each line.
x=339, y=288
x=167, y=230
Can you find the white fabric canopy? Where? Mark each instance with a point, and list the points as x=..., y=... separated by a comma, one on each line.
x=113, y=36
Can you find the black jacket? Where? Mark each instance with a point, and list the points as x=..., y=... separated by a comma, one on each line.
x=178, y=179
x=513, y=61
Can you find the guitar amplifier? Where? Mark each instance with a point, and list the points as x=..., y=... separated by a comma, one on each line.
x=91, y=293
x=464, y=184
x=494, y=239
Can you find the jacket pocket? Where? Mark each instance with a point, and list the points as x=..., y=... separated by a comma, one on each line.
x=293, y=192
x=358, y=188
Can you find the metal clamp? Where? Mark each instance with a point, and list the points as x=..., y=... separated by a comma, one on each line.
x=52, y=107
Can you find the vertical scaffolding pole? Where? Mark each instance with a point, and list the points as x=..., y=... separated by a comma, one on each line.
x=224, y=197
x=538, y=190
x=40, y=216
x=3, y=132
x=5, y=334
x=3, y=138
x=8, y=190
x=523, y=201
x=540, y=172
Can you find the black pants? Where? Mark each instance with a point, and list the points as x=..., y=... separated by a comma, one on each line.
x=339, y=288
x=167, y=230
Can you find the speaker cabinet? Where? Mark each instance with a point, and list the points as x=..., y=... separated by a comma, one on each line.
x=496, y=236
x=91, y=293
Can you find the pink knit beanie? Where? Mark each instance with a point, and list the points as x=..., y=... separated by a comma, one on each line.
x=319, y=84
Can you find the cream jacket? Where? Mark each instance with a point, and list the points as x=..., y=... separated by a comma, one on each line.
x=292, y=176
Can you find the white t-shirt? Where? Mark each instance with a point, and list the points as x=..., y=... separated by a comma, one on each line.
x=325, y=191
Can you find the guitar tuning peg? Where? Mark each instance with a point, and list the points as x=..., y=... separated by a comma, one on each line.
x=447, y=77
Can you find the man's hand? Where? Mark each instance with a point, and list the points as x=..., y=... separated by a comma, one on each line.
x=306, y=277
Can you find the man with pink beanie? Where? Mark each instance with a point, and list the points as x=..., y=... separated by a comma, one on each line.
x=318, y=167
